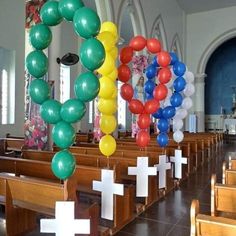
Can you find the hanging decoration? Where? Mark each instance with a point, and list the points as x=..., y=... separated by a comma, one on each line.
x=92, y=55
x=107, y=103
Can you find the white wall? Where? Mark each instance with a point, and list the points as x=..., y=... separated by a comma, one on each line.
x=12, y=19
x=203, y=28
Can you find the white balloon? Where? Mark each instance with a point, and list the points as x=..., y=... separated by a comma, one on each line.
x=189, y=77
x=181, y=113
x=167, y=102
x=187, y=103
x=189, y=89
x=169, y=84
x=173, y=74
x=177, y=123
x=169, y=93
x=178, y=136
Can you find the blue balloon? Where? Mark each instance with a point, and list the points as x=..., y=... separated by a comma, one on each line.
x=151, y=71
x=168, y=112
x=179, y=84
x=176, y=99
x=149, y=86
x=149, y=96
x=174, y=58
x=163, y=125
x=162, y=139
x=179, y=68
x=154, y=62
x=158, y=114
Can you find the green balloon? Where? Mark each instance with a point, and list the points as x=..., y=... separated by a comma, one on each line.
x=63, y=164
x=86, y=86
x=50, y=14
x=37, y=63
x=50, y=111
x=63, y=134
x=92, y=54
x=86, y=22
x=73, y=110
x=39, y=91
x=40, y=36
x=67, y=8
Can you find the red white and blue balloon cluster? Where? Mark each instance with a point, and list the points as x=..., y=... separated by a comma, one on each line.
x=168, y=89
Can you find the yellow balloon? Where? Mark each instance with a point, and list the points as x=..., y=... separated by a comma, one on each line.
x=107, y=145
x=107, y=106
x=111, y=27
x=107, y=87
x=107, y=124
x=114, y=95
x=113, y=75
x=114, y=52
x=107, y=66
x=107, y=39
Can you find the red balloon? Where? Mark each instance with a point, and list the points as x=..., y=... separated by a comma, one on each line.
x=151, y=106
x=124, y=73
x=138, y=43
x=144, y=121
x=126, y=92
x=153, y=45
x=160, y=92
x=163, y=58
x=126, y=55
x=142, y=138
x=164, y=75
x=135, y=106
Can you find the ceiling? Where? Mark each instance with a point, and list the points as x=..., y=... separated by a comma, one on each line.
x=193, y=6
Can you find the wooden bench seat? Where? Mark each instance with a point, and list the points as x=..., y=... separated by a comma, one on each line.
x=205, y=225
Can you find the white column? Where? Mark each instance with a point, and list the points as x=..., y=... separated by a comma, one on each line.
x=199, y=101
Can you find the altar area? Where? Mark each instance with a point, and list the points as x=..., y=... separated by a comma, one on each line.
x=230, y=126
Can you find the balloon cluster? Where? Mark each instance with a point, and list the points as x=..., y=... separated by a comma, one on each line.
x=92, y=54
x=107, y=104
x=143, y=110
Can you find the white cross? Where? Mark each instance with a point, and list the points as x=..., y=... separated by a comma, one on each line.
x=162, y=167
x=142, y=171
x=178, y=160
x=108, y=188
x=64, y=222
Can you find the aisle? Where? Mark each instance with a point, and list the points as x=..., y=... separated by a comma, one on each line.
x=170, y=216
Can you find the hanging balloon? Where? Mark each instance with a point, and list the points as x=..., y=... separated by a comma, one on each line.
x=39, y=91
x=107, y=106
x=144, y=121
x=158, y=114
x=37, y=63
x=163, y=58
x=107, y=87
x=92, y=54
x=126, y=55
x=107, y=123
x=149, y=86
x=86, y=22
x=176, y=99
x=163, y=125
x=168, y=112
x=189, y=77
x=174, y=58
x=164, y=75
x=108, y=40
x=151, y=106
x=179, y=68
x=108, y=65
x=63, y=134
x=107, y=145
x=67, y=8
x=126, y=92
x=40, y=36
x=189, y=90
x=162, y=139
x=178, y=136
x=151, y=71
x=153, y=45
x=63, y=164
x=160, y=92
x=138, y=43
x=109, y=27
x=179, y=84
x=86, y=86
x=113, y=75
x=142, y=138
x=124, y=73
x=50, y=14
x=136, y=106
x=187, y=103
x=50, y=111
x=177, y=123
x=73, y=110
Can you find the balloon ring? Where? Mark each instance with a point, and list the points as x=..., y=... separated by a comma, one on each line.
x=92, y=55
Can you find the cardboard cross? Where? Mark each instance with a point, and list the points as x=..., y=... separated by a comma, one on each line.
x=108, y=189
x=178, y=161
x=162, y=167
x=142, y=171
x=64, y=222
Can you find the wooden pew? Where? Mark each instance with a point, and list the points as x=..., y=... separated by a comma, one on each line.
x=80, y=181
x=205, y=225
x=13, y=146
x=223, y=197
x=24, y=197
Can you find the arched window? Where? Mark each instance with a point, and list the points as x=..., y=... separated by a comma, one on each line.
x=175, y=47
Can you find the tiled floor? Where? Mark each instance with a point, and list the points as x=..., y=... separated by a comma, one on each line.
x=170, y=216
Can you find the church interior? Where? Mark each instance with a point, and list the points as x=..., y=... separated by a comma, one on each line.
x=117, y=117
